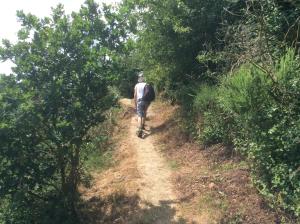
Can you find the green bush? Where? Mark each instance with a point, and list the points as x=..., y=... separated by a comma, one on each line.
x=97, y=154
x=214, y=124
x=206, y=98
x=265, y=108
x=258, y=111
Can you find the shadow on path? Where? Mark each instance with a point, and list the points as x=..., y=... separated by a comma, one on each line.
x=159, y=128
x=122, y=209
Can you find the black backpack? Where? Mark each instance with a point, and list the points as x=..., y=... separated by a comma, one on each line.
x=149, y=94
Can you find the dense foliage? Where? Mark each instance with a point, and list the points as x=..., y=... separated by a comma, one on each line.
x=226, y=63
x=232, y=65
x=266, y=126
x=171, y=34
x=59, y=89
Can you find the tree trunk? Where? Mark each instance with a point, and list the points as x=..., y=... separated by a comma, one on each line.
x=73, y=179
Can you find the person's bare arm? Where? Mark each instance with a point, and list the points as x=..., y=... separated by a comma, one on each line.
x=135, y=97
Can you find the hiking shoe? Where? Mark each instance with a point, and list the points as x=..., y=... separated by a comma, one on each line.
x=139, y=133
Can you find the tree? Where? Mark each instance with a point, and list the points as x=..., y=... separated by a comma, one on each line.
x=170, y=37
x=64, y=66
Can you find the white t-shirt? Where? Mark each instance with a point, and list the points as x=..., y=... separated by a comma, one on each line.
x=139, y=88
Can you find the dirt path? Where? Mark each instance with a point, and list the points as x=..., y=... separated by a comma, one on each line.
x=155, y=185
x=165, y=179
x=138, y=190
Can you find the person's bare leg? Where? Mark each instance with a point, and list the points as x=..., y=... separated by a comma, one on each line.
x=143, y=122
x=145, y=113
x=140, y=122
x=139, y=128
x=146, y=109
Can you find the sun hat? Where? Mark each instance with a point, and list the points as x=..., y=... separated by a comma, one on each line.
x=141, y=77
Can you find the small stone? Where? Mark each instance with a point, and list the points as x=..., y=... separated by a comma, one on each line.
x=211, y=185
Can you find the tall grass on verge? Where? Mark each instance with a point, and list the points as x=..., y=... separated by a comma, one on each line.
x=214, y=124
x=259, y=112
x=98, y=152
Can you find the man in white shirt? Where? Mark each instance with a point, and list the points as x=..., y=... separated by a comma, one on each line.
x=141, y=106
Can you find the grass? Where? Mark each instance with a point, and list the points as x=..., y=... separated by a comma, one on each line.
x=162, y=147
x=213, y=205
x=230, y=166
x=212, y=202
x=237, y=218
x=173, y=164
x=99, y=160
x=98, y=153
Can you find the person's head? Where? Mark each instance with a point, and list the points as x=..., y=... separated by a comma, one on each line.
x=141, y=77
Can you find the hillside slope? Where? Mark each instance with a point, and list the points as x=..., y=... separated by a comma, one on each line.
x=163, y=178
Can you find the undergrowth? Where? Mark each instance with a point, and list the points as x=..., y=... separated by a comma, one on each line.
x=258, y=112
x=98, y=152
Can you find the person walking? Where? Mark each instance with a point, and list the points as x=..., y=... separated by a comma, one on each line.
x=143, y=95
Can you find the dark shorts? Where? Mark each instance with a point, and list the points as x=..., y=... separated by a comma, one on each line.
x=141, y=108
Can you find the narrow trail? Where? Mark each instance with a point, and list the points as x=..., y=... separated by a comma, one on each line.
x=164, y=179
x=138, y=189
x=154, y=184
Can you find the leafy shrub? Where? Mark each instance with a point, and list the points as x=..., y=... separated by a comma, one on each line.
x=212, y=129
x=214, y=124
x=97, y=153
x=59, y=90
x=265, y=108
x=206, y=98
